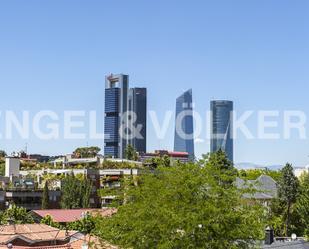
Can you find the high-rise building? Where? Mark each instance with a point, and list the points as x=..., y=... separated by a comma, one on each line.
x=116, y=98
x=125, y=116
x=222, y=127
x=137, y=104
x=184, y=133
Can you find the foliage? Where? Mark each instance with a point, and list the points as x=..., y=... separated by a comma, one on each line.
x=45, y=197
x=186, y=206
x=119, y=192
x=2, y=167
x=85, y=225
x=48, y=220
x=2, y=154
x=302, y=204
x=253, y=174
x=15, y=215
x=130, y=153
x=75, y=192
x=288, y=191
x=220, y=166
x=87, y=152
x=157, y=161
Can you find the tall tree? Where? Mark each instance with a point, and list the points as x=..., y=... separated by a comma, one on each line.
x=184, y=206
x=130, y=153
x=45, y=198
x=288, y=192
x=75, y=192
x=302, y=205
x=221, y=167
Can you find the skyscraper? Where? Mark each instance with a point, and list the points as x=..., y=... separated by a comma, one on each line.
x=184, y=134
x=137, y=104
x=125, y=116
x=116, y=98
x=222, y=127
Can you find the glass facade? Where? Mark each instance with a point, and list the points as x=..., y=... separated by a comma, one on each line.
x=184, y=132
x=222, y=127
x=137, y=103
x=119, y=128
x=116, y=90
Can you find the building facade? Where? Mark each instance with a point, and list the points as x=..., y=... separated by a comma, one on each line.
x=120, y=127
x=137, y=105
x=116, y=95
x=222, y=127
x=184, y=132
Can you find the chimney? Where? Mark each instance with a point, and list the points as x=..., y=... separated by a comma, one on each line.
x=269, y=236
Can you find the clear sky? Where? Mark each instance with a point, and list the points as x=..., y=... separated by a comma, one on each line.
x=54, y=55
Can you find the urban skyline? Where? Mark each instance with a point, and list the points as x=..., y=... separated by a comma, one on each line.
x=255, y=54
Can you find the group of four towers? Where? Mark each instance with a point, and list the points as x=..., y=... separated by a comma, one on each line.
x=125, y=120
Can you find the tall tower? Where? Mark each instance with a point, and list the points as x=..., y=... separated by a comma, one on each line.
x=116, y=96
x=222, y=127
x=184, y=133
x=137, y=105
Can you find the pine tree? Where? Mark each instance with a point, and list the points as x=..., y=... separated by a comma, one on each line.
x=288, y=191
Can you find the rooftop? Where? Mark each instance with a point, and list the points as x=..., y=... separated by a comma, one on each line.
x=71, y=215
x=32, y=233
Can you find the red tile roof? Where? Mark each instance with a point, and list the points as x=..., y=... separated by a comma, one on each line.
x=71, y=215
x=32, y=233
x=93, y=243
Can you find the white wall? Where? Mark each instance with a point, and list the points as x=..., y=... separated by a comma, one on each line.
x=12, y=166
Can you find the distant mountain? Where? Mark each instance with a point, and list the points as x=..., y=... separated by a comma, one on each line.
x=256, y=166
x=248, y=166
x=275, y=167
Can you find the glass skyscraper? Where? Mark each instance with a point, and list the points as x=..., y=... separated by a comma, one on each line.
x=222, y=127
x=116, y=95
x=137, y=104
x=184, y=133
x=119, y=127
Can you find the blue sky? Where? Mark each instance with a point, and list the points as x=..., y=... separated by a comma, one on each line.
x=54, y=55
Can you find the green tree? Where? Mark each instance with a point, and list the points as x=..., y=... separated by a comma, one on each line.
x=2, y=167
x=45, y=198
x=75, y=192
x=288, y=191
x=253, y=174
x=87, y=152
x=2, y=154
x=185, y=206
x=302, y=204
x=16, y=215
x=220, y=166
x=48, y=220
x=130, y=153
x=85, y=225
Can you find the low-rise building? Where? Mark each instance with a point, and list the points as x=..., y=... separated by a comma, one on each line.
x=266, y=189
x=39, y=236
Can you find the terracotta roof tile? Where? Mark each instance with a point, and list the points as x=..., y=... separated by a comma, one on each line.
x=71, y=215
x=32, y=233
